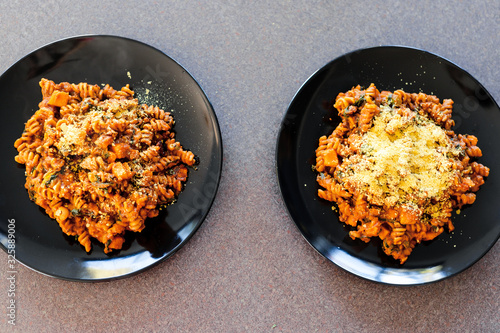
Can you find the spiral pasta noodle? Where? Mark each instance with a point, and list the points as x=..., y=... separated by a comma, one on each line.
x=99, y=163
x=395, y=168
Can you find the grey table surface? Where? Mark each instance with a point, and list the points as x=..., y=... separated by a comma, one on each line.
x=248, y=269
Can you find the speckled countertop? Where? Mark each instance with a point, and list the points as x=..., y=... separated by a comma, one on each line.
x=248, y=269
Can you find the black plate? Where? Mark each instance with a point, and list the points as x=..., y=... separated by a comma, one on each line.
x=308, y=118
x=157, y=80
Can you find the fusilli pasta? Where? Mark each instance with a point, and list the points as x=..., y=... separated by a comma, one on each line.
x=395, y=168
x=100, y=163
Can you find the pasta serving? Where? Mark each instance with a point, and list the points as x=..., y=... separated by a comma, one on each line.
x=100, y=163
x=395, y=168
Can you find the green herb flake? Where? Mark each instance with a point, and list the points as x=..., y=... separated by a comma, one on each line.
x=390, y=100
x=51, y=178
x=360, y=101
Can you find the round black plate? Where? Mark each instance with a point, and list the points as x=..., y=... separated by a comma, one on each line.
x=311, y=115
x=157, y=80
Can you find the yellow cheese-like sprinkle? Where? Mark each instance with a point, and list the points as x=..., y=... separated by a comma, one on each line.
x=403, y=159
